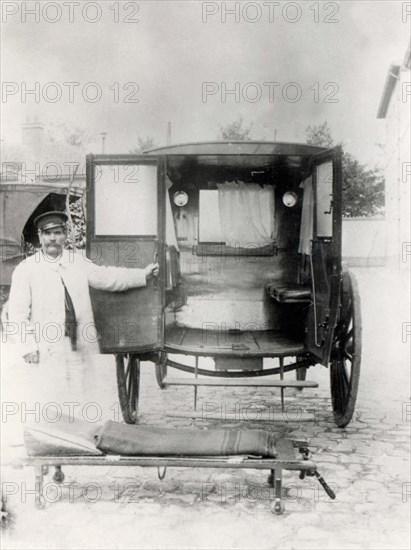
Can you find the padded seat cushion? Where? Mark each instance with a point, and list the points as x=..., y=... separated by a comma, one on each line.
x=289, y=293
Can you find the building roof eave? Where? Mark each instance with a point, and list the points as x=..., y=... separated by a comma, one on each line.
x=407, y=58
x=389, y=86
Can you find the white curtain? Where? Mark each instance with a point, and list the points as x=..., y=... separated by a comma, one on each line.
x=307, y=217
x=171, y=238
x=246, y=214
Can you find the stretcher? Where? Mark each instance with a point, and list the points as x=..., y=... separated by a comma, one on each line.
x=291, y=454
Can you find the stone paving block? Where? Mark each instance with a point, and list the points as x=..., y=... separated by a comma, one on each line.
x=357, y=468
x=354, y=459
x=374, y=449
x=344, y=446
x=324, y=458
x=311, y=537
x=340, y=543
x=393, y=463
x=336, y=436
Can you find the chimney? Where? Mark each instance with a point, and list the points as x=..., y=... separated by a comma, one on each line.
x=32, y=136
x=103, y=142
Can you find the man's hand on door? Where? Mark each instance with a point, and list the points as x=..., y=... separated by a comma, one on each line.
x=152, y=270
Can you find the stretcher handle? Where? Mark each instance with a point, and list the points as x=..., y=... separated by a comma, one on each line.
x=324, y=485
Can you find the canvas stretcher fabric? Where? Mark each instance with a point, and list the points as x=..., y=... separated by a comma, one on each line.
x=78, y=438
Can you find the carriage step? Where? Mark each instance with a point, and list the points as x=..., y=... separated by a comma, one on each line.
x=247, y=413
x=238, y=382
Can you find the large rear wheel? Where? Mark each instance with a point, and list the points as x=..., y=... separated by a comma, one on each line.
x=128, y=384
x=346, y=353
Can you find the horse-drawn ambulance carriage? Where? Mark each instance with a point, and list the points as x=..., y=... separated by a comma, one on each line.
x=251, y=284
x=248, y=238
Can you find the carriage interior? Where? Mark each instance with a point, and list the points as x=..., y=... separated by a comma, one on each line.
x=238, y=235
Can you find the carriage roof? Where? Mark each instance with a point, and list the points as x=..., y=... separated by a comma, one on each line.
x=289, y=159
x=238, y=148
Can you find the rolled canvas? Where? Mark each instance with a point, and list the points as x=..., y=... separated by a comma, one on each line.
x=130, y=440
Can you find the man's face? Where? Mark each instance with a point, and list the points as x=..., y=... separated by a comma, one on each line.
x=52, y=241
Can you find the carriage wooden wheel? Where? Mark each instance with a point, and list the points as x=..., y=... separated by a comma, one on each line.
x=346, y=353
x=128, y=382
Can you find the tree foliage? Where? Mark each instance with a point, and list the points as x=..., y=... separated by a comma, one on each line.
x=319, y=135
x=236, y=131
x=66, y=132
x=363, y=187
x=77, y=237
x=144, y=144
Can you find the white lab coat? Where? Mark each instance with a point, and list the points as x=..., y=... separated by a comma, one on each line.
x=36, y=305
x=77, y=383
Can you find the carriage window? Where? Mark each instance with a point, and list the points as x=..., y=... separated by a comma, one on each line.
x=307, y=217
x=126, y=200
x=237, y=214
x=209, y=218
x=324, y=199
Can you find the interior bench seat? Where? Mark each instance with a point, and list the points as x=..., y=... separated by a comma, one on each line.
x=289, y=294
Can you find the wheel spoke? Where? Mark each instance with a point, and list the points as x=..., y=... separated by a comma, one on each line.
x=128, y=367
x=131, y=397
x=349, y=312
x=133, y=387
x=129, y=378
x=337, y=386
x=347, y=337
x=346, y=309
x=350, y=347
x=345, y=383
x=344, y=395
x=348, y=355
x=340, y=385
x=346, y=377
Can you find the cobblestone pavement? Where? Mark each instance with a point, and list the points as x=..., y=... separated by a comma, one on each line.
x=368, y=463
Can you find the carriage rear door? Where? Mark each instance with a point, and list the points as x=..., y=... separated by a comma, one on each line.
x=126, y=228
x=325, y=258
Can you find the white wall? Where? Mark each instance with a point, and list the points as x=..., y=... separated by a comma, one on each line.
x=364, y=241
x=397, y=172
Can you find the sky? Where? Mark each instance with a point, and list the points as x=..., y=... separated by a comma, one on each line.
x=136, y=66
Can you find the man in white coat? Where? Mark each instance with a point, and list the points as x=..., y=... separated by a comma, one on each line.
x=50, y=315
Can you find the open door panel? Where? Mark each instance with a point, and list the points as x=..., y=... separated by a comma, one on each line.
x=126, y=228
x=325, y=256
